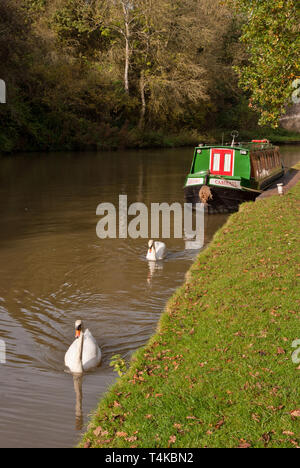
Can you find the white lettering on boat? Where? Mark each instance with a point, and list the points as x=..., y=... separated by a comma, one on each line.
x=226, y=183
x=194, y=181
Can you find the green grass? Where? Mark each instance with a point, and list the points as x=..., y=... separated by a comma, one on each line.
x=219, y=372
x=276, y=136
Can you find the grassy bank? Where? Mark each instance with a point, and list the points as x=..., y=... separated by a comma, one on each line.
x=297, y=166
x=219, y=371
x=277, y=136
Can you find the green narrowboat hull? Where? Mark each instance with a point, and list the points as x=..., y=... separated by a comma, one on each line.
x=233, y=174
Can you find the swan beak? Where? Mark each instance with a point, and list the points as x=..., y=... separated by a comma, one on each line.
x=77, y=334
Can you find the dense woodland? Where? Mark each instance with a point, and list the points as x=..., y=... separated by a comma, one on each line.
x=131, y=73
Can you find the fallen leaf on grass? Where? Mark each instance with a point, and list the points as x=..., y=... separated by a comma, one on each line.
x=289, y=433
x=266, y=438
x=105, y=442
x=280, y=350
x=255, y=417
x=98, y=431
x=244, y=444
x=273, y=408
x=295, y=413
x=177, y=426
x=220, y=424
x=172, y=440
x=121, y=434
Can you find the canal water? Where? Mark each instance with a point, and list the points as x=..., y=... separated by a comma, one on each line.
x=55, y=270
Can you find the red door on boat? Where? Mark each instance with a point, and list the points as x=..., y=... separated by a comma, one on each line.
x=222, y=162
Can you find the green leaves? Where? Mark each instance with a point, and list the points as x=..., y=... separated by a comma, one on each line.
x=271, y=36
x=79, y=24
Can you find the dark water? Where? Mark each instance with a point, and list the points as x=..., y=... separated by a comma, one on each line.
x=54, y=270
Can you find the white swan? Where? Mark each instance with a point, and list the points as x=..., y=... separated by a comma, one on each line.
x=156, y=251
x=84, y=354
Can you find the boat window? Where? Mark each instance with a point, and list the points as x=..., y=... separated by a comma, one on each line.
x=253, y=167
x=217, y=159
x=227, y=163
x=222, y=162
x=269, y=159
x=259, y=165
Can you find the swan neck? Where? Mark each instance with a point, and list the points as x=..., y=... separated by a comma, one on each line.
x=78, y=364
x=81, y=338
x=152, y=253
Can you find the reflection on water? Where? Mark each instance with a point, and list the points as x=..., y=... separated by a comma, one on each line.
x=78, y=379
x=55, y=270
x=153, y=268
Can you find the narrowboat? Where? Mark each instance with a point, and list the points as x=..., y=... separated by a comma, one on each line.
x=222, y=177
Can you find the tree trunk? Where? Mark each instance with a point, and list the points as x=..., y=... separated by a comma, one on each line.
x=127, y=56
x=143, y=101
x=127, y=45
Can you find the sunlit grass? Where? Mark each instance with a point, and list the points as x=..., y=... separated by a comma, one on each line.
x=219, y=372
x=297, y=166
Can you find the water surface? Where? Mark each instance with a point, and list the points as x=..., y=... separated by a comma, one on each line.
x=54, y=270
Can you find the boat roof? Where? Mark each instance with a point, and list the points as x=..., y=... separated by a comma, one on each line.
x=249, y=145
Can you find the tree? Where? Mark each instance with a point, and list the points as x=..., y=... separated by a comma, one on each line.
x=124, y=28
x=177, y=58
x=14, y=37
x=82, y=26
x=271, y=35
x=90, y=73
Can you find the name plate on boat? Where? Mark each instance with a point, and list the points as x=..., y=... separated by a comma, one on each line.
x=226, y=183
x=194, y=181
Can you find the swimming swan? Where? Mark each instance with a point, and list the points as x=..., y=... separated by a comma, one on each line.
x=156, y=251
x=84, y=354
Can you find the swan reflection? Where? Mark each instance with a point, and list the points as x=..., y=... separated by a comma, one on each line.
x=78, y=380
x=153, y=268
